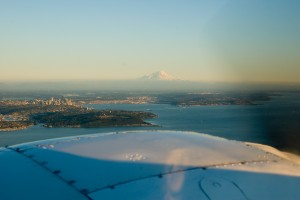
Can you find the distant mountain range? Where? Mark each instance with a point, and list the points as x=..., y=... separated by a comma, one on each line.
x=158, y=81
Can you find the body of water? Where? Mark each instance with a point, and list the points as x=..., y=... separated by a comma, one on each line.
x=275, y=123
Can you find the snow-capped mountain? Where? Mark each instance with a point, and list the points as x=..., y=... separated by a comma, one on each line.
x=160, y=76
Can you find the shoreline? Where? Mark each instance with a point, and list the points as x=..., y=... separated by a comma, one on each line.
x=15, y=129
x=75, y=127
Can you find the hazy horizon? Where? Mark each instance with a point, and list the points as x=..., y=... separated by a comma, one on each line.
x=145, y=86
x=205, y=41
x=159, y=80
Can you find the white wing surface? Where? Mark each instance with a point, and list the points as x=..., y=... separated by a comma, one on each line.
x=146, y=165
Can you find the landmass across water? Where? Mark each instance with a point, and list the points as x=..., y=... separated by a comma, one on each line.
x=19, y=111
x=20, y=114
x=273, y=122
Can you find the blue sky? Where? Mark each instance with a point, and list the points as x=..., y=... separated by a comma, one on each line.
x=225, y=40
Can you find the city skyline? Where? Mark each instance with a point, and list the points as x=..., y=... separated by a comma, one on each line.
x=213, y=41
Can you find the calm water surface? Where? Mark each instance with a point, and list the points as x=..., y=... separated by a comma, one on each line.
x=275, y=123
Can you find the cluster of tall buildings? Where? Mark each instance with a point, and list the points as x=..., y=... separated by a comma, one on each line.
x=53, y=101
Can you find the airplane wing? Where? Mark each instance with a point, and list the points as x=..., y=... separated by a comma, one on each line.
x=147, y=165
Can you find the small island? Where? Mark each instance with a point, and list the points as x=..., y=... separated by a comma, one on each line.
x=58, y=113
